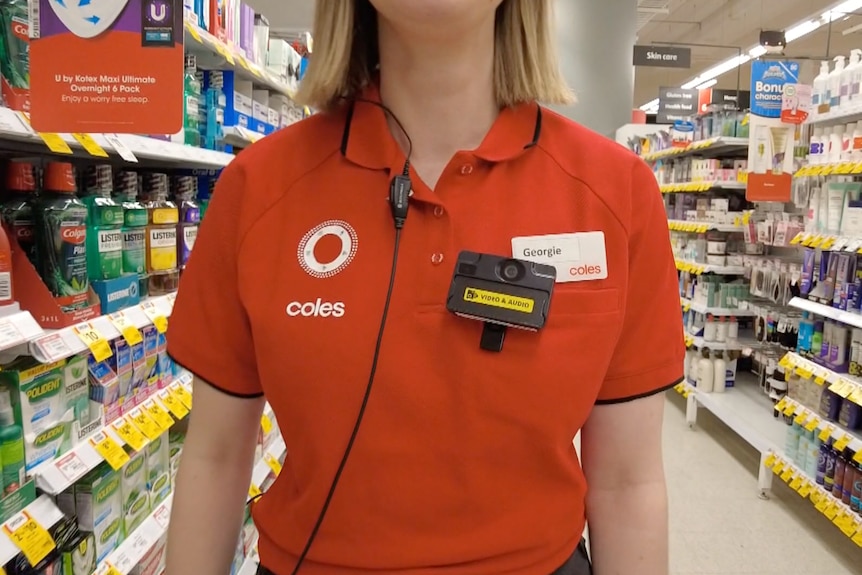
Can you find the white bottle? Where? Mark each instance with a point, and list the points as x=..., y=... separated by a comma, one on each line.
x=836, y=140
x=709, y=329
x=815, y=152
x=849, y=82
x=719, y=373
x=721, y=331
x=847, y=142
x=691, y=358
x=705, y=373
x=856, y=145
x=732, y=329
x=821, y=87
x=835, y=83
x=827, y=146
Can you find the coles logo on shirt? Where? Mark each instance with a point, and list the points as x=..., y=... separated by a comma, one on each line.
x=327, y=249
x=577, y=257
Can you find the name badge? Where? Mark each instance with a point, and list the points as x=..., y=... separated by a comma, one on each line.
x=578, y=257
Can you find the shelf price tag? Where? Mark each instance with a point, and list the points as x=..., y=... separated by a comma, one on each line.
x=90, y=145
x=273, y=463
x=99, y=346
x=173, y=404
x=158, y=413
x=770, y=461
x=32, y=539
x=155, y=316
x=812, y=425
x=193, y=30
x=9, y=335
x=131, y=334
x=129, y=433
x=55, y=142
x=145, y=423
x=858, y=457
x=796, y=484
x=801, y=419
x=183, y=395
x=787, y=475
x=121, y=148
x=826, y=432
x=110, y=450
x=254, y=491
x=265, y=424
x=842, y=443
x=789, y=410
x=805, y=490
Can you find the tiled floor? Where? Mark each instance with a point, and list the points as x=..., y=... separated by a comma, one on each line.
x=719, y=525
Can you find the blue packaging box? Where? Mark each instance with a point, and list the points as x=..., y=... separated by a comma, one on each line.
x=117, y=294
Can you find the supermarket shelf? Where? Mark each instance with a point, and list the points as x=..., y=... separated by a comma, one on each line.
x=213, y=54
x=829, y=242
x=240, y=137
x=262, y=469
x=249, y=566
x=845, y=317
x=698, y=269
x=16, y=130
x=734, y=345
x=701, y=187
x=811, y=420
x=18, y=328
x=54, y=345
x=46, y=514
x=712, y=148
x=688, y=304
x=839, y=383
x=701, y=227
x=135, y=547
x=58, y=474
x=830, y=169
x=845, y=116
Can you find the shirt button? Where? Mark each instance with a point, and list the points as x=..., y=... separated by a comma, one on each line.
x=437, y=259
x=439, y=211
x=466, y=170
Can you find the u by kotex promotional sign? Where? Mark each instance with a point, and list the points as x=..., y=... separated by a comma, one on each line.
x=112, y=66
x=770, y=155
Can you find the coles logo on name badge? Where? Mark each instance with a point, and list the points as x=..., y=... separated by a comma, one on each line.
x=327, y=249
x=577, y=257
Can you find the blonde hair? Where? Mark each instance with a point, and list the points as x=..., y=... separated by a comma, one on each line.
x=346, y=54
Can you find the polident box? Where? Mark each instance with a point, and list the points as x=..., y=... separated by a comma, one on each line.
x=99, y=504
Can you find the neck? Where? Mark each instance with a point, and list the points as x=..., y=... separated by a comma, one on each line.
x=441, y=91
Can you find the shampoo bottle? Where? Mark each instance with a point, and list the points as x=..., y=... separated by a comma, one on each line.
x=61, y=225
x=163, y=274
x=815, y=151
x=705, y=373
x=820, y=95
x=105, y=229
x=849, y=83
x=835, y=83
x=135, y=220
x=11, y=445
x=720, y=373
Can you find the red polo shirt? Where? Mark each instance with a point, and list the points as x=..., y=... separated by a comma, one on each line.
x=464, y=464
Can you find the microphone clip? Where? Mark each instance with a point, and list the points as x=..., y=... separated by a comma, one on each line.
x=399, y=199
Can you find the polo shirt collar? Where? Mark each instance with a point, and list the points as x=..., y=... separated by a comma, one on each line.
x=368, y=142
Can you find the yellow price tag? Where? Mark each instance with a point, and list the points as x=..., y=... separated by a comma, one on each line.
x=841, y=388
x=155, y=316
x=182, y=394
x=820, y=380
x=112, y=570
x=223, y=50
x=842, y=443
x=858, y=457
x=831, y=511
x=254, y=491
x=781, y=404
x=266, y=423
x=857, y=539
x=806, y=489
x=825, y=433
x=812, y=425
x=822, y=504
x=173, y=404
x=787, y=475
x=273, y=463
x=193, y=30
x=798, y=238
x=785, y=362
x=158, y=413
x=55, y=142
x=32, y=539
x=90, y=145
x=129, y=433
x=856, y=396
x=770, y=461
x=796, y=484
x=778, y=467
x=801, y=419
x=110, y=450
x=99, y=346
x=131, y=334
x=244, y=63
x=789, y=410
x=145, y=423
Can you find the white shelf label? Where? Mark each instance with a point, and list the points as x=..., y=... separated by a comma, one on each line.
x=72, y=467
x=54, y=347
x=10, y=335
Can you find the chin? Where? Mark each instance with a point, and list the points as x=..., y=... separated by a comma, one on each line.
x=428, y=13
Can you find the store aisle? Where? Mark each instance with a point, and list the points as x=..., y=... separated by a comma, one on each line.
x=718, y=524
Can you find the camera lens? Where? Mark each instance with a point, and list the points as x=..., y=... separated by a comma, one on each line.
x=511, y=271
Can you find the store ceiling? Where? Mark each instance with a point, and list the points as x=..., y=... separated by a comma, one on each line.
x=730, y=23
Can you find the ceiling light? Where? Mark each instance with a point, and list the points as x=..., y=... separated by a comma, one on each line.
x=708, y=84
x=801, y=30
x=841, y=11
x=650, y=105
x=757, y=52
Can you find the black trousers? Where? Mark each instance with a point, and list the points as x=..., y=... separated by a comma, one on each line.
x=578, y=564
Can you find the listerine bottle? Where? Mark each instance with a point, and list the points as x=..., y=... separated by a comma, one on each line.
x=215, y=106
x=105, y=228
x=185, y=190
x=17, y=207
x=191, y=125
x=135, y=220
x=162, y=272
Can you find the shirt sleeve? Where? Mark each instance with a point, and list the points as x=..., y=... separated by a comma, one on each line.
x=209, y=332
x=650, y=353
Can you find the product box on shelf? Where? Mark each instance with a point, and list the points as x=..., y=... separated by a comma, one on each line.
x=99, y=508
x=117, y=294
x=76, y=387
x=136, y=496
x=34, y=296
x=153, y=562
x=104, y=391
x=15, y=501
x=158, y=469
x=260, y=111
x=79, y=558
x=42, y=416
x=239, y=98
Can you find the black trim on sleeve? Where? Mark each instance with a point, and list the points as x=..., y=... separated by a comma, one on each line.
x=217, y=387
x=641, y=395
x=537, y=132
